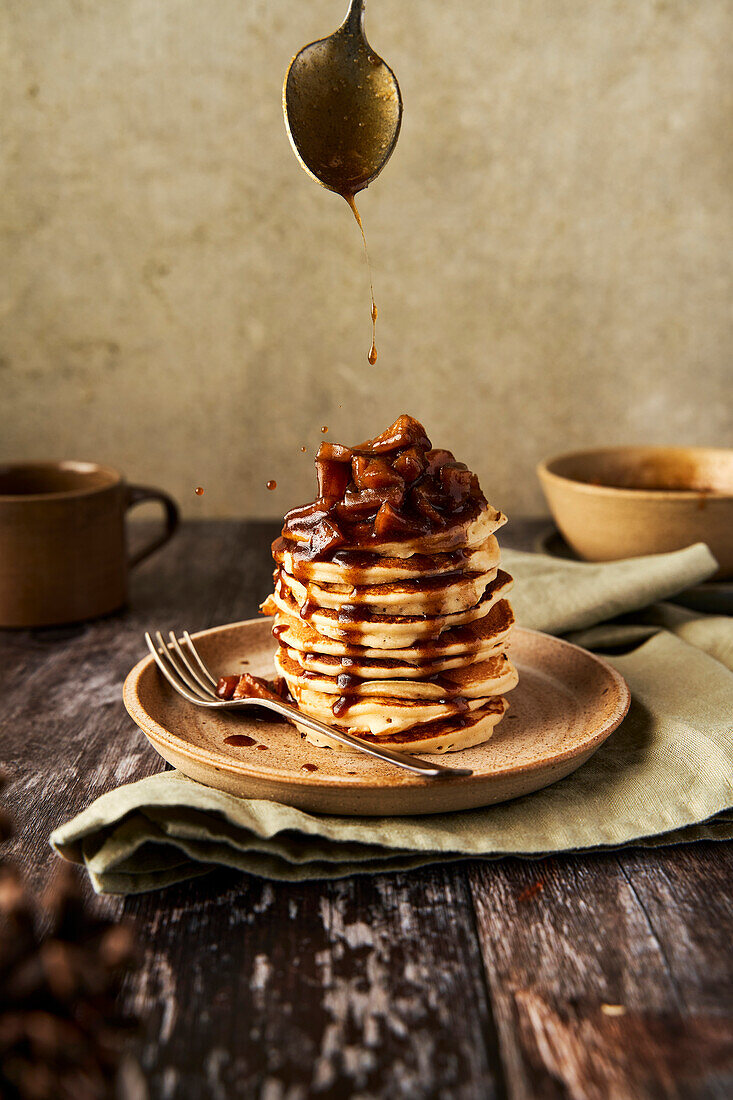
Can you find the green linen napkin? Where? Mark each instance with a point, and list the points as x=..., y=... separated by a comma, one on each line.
x=664, y=777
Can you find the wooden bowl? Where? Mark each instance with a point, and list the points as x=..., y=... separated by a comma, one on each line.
x=621, y=502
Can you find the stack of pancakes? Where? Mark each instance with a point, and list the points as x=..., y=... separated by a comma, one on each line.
x=390, y=611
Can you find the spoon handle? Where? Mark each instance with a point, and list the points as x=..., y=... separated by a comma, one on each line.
x=354, y=21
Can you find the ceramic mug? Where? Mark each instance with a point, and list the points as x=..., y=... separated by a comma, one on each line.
x=63, y=556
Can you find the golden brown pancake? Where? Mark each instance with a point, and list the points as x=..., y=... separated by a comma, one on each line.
x=388, y=631
x=475, y=680
x=442, y=595
x=368, y=567
x=447, y=735
x=476, y=640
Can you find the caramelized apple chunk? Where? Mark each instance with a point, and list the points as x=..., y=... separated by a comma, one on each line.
x=437, y=458
x=334, y=452
x=225, y=686
x=427, y=499
x=410, y=464
x=458, y=482
x=333, y=477
x=390, y=521
x=374, y=473
x=405, y=432
x=325, y=538
x=358, y=504
x=299, y=522
x=255, y=687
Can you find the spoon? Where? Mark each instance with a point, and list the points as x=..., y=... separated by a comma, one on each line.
x=342, y=107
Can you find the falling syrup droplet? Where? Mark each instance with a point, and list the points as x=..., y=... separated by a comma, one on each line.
x=272, y=485
x=199, y=490
x=324, y=429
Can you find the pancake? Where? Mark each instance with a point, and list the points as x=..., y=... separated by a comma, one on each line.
x=461, y=534
x=381, y=715
x=366, y=568
x=476, y=680
x=448, y=735
x=441, y=595
x=478, y=639
x=390, y=631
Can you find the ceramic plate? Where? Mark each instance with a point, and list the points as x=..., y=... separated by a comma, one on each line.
x=566, y=704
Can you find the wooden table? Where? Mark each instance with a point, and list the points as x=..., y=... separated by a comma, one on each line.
x=465, y=981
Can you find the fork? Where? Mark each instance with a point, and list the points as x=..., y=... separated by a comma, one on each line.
x=188, y=675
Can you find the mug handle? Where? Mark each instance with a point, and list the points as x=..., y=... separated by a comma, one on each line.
x=137, y=494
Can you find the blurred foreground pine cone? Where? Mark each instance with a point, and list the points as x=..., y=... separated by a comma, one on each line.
x=61, y=1034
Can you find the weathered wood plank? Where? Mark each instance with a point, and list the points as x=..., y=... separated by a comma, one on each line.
x=607, y=975
x=371, y=987
x=66, y=737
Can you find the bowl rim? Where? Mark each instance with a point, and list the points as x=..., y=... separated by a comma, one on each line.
x=544, y=470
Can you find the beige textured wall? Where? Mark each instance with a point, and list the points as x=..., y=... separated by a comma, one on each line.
x=552, y=240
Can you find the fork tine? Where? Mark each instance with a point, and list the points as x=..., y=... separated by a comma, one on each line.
x=197, y=656
x=189, y=667
x=167, y=655
x=175, y=682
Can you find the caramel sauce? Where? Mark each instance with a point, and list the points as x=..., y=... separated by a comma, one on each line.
x=307, y=608
x=372, y=356
x=239, y=739
x=309, y=767
x=341, y=705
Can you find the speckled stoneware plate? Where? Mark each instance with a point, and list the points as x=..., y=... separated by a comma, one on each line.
x=567, y=703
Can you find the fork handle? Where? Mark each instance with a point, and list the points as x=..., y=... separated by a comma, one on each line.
x=402, y=760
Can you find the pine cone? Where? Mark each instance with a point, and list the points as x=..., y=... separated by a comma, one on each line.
x=61, y=1033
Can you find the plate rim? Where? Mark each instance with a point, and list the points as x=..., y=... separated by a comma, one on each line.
x=154, y=731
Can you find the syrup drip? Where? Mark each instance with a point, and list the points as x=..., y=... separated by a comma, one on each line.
x=307, y=608
x=199, y=490
x=372, y=356
x=271, y=485
x=341, y=705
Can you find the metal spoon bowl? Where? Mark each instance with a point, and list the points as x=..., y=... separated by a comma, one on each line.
x=343, y=107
